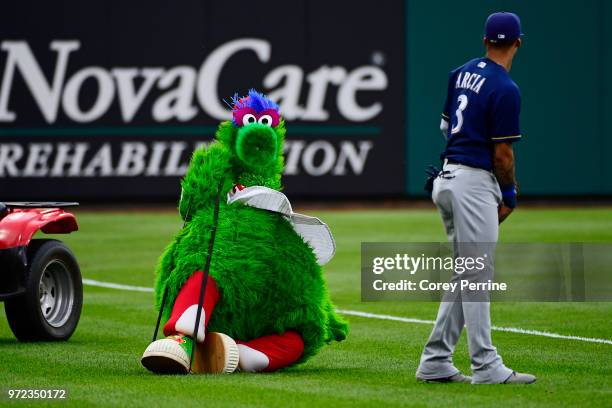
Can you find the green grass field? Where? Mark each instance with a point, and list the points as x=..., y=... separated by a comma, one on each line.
x=374, y=367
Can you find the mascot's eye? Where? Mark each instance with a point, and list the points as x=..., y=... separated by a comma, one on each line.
x=248, y=119
x=265, y=120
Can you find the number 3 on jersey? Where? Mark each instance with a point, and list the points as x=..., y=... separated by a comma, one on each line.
x=463, y=102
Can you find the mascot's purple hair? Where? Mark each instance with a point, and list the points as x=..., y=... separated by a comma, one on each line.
x=254, y=100
x=254, y=107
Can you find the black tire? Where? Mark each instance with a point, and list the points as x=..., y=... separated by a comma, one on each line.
x=53, y=280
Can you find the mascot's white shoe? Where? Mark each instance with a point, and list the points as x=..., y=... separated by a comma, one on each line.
x=218, y=354
x=168, y=356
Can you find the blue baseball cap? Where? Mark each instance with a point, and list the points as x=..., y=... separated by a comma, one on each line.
x=503, y=27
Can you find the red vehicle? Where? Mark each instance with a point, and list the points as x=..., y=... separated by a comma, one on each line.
x=40, y=280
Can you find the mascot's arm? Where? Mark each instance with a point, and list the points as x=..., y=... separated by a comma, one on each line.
x=208, y=168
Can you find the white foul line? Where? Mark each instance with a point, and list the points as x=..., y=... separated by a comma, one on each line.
x=118, y=286
x=384, y=317
x=496, y=328
x=110, y=285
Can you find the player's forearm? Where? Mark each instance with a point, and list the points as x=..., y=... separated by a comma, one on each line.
x=505, y=173
x=503, y=164
x=504, y=170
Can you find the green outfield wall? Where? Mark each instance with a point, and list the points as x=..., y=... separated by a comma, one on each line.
x=563, y=70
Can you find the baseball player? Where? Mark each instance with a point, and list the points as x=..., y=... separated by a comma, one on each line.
x=474, y=193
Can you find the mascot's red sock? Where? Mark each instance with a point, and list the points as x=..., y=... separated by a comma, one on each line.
x=185, y=307
x=267, y=353
x=270, y=353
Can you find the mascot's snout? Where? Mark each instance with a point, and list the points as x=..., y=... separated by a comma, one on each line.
x=256, y=145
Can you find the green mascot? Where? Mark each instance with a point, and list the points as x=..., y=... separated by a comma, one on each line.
x=241, y=286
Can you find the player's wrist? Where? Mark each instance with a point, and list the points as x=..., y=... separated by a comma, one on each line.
x=509, y=194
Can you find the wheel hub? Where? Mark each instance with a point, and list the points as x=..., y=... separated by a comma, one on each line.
x=56, y=293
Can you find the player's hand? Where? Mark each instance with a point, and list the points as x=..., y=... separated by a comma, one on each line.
x=503, y=212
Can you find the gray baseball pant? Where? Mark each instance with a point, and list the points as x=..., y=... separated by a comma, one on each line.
x=468, y=200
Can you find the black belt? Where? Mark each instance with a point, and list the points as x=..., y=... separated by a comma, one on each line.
x=449, y=161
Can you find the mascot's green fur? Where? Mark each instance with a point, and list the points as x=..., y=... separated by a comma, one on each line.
x=268, y=277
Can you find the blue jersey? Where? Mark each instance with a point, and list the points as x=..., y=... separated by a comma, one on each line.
x=482, y=108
